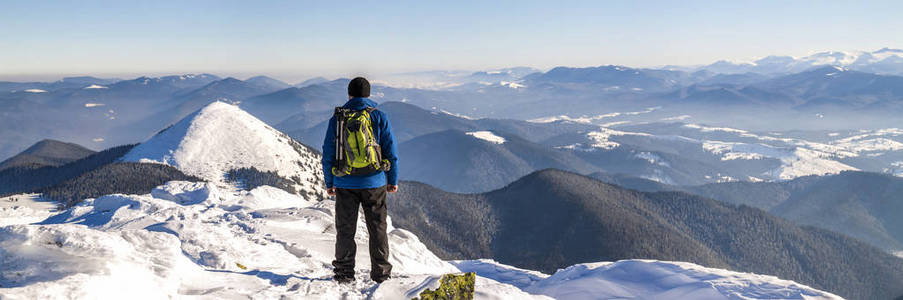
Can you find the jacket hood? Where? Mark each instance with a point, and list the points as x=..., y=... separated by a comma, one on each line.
x=359, y=103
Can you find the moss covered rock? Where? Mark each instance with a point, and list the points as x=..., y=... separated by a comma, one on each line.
x=452, y=287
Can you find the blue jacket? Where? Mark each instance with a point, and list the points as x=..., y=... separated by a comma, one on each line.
x=383, y=133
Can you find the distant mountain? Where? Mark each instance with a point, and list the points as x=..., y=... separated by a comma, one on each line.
x=268, y=84
x=220, y=138
x=613, y=78
x=24, y=179
x=47, y=153
x=306, y=104
x=92, y=176
x=823, y=89
x=410, y=121
x=497, y=75
x=65, y=83
x=742, y=79
x=182, y=103
x=859, y=204
x=573, y=218
x=312, y=81
x=729, y=95
x=225, y=88
x=479, y=161
x=165, y=84
x=884, y=61
x=839, y=88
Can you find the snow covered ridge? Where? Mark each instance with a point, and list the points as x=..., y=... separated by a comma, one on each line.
x=487, y=136
x=883, y=61
x=221, y=137
x=644, y=279
x=193, y=239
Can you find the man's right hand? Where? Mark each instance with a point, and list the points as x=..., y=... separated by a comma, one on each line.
x=330, y=191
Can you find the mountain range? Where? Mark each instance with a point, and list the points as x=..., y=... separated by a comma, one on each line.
x=208, y=234
x=47, y=153
x=883, y=61
x=858, y=204
x=826, y=93
x=572, y=218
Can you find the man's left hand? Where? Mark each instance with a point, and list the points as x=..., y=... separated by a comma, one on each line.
x=391, y=188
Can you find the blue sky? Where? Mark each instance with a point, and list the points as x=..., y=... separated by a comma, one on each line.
x=293, y=40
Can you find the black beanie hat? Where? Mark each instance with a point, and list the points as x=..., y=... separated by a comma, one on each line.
x=359, y=87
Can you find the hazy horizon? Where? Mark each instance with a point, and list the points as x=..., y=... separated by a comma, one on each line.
x=301, y=75
x=299, y=40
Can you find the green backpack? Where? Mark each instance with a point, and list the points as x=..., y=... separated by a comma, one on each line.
x=356, y=149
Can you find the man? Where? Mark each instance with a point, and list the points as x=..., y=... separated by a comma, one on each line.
x=356, y=190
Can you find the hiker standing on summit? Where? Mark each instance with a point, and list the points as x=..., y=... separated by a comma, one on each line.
x=360, y=166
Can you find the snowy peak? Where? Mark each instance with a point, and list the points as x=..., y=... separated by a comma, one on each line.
x=220, y=138
x=884, y=61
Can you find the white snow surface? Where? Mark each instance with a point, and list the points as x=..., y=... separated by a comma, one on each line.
x=94, y=86
x=487, y=136
x=221, y=137
x=195, y=240
x=189, y=239
x=644, y=279
x=35, y=91
x=24, y=208
x=602, y=139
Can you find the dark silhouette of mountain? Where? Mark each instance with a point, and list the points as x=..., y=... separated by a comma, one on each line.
x=47, y=153
x=114, y=178
x=460, y=162
x=92, y=176
x=268, y=84
x=863, y=205
x=551, y=219
x=27, y=179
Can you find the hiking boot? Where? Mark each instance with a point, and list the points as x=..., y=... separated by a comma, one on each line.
x=381, y=279
x=343, y=279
